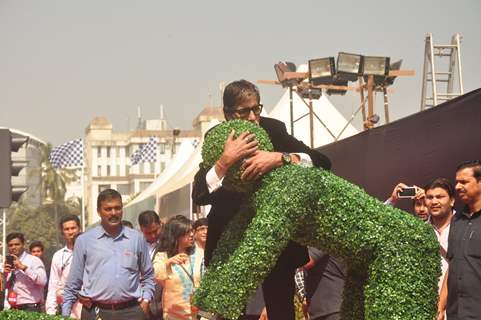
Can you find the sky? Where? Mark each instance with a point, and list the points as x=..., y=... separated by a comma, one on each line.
x=64, y=62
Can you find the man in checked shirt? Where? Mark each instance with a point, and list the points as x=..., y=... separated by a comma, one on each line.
x=60, y=268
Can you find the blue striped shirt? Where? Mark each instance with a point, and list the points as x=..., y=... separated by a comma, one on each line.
x=109, y=270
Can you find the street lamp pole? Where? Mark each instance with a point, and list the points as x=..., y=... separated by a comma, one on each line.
x=175, y=134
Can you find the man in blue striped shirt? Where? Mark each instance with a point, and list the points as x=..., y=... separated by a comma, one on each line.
x=111, y=272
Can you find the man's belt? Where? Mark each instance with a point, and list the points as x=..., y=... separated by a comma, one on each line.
x=116, y=306
x=27, y=306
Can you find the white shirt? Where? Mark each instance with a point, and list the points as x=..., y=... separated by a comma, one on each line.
x=29, y=284
x=152, y=246
x=59, y=271
x=214, y=182
x=443, y=250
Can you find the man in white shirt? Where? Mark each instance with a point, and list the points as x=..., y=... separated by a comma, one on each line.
x=440, y=203
x=151, y=228
x=60, y=268
x=200, y=227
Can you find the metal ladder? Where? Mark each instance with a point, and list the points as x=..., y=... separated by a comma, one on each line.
x=441, y=83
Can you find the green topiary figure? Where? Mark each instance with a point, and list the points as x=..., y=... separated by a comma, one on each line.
x=392, y=257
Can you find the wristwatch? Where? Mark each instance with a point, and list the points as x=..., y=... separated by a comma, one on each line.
x=286, y=158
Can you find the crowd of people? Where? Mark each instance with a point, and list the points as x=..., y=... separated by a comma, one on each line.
x=458, y=234
x=116, y=271
x=113, y=271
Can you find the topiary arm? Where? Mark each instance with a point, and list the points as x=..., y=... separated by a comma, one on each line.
x=290, y=144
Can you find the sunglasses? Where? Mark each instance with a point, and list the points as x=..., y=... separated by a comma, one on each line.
x=244, y=112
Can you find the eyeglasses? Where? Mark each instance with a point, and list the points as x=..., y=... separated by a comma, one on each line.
x=244, y=112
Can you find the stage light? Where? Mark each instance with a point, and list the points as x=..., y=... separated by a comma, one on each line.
x=321, y=71
x=349, y=66
x=377, y=66
x=281, y=69
x=394, y=66
x=313, y=93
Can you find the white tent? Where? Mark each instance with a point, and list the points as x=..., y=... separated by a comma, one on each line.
x=179, y=172
x=333, y=122
x=185, y=150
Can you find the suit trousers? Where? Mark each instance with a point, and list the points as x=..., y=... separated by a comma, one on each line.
x=278, y=289
x=332, y=316
x=131, y=313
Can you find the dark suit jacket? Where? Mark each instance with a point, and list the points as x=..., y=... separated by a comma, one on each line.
x=226, y=203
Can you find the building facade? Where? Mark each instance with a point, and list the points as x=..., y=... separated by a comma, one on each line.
x=108, y=158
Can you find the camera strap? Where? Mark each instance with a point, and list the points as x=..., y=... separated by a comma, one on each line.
x=11, y=280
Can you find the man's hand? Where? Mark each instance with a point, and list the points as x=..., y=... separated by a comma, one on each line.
x=394, y=196
x=419, y=193
x=144, y=305
x=236, y=149
x=85, y=301
x=18, y=264
x=180, y=258
x=440, y=315
x=7, y=268
x=259, y=164
x=264, y=314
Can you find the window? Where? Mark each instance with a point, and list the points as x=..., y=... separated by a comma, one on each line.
x=144, y=185
x=99, y=152
x=175, y=148
x=108, y=171
x=123, y=189
x=108, y=152
x=152, y=167
x=162, y=148
x=103, y=187
x=126, y=170
x=99, y=171
x=133, y=148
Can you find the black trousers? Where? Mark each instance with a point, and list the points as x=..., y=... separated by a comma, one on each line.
x=278, y=289
x=332, y=316
x=131, y=313
x=31, y=307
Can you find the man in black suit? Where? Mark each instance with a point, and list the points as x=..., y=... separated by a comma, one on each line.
x=242, y=101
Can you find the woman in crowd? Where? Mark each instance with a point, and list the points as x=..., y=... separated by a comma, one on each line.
x=177, y=268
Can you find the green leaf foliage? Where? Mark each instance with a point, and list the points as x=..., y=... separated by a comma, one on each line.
x=23, y=315
x=218, y=136
x=392, y=257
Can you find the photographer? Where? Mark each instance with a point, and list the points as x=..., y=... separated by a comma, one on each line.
x=417, y=195
x=26, y=276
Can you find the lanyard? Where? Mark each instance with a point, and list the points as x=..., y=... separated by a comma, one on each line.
x=191, y=273
x=66, y=262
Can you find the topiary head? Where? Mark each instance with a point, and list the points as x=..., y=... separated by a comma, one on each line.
x=214, y=146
